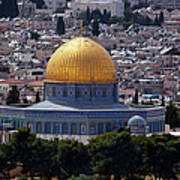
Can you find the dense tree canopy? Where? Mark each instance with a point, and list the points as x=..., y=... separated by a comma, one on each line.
x=95, y=28
x=70, y=153
x=117, y=155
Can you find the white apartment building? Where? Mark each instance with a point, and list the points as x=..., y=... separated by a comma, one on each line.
x=167, y=4
x=116, y=7
x=27, y=10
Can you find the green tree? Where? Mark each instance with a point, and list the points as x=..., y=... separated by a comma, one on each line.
x=88, y=15
x=44, y=159
x=156, y=21
x=34, y=35
x=105, y=17
x=147, y=21
x=136, y=97
x=172, y=116
x=174, y=146
x=8, y=8
x=127, y=11
x=22, y=178
x=113, y=153
x=23, y=144
x=96, y=15
x=140, y=156
x=13, y=96
x=162, y=101
x=82, y=15
x=7, y=160
x=60, y=29
x=37, y=97
x=73, y=158
x=95, y=28
x=160, y=157
x=161, y=17
x=84, y=177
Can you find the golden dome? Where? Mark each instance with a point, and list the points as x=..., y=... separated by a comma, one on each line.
x=81, y=61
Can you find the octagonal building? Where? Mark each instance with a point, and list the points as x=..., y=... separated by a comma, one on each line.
x=81, y=98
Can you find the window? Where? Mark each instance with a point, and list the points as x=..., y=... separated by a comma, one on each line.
x=64, y=92
x=59, y=92
x=104, y=92
x=99, y=92
x=92, y=128
x=78, y=92
x=100, y=128
x=29, y=124
x=14, y=124
x=56, y=128
x=47, y=127
x=108, y=127
x=65, y=128
x=18, y=124
x=49, y=91
x=74, y=128
x=54, y=91
x=82, y=128
x=38, y=127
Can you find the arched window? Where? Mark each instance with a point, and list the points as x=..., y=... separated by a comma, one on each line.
x=100, y=128
x=47, y=127
x=29, y=124
x=92, y=128
x=82, y=128
x=65, y=128
x=74, y=128
x=56, y=128
x=38, y=127
x=108, y=127
x=54, y=91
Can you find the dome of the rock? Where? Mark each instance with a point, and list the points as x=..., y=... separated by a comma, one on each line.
x=81, y=61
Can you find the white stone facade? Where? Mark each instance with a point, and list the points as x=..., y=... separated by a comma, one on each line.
x=116, y=7
x=52, y=5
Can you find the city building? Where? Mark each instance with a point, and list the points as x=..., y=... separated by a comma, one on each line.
x=26, y=10
x=53, y=5
x=115, y=7
x=166, y=4
x=81, y=98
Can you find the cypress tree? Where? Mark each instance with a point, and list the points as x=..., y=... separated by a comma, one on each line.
x=9, y=8
x=156, y=21
x=161, y=17
x=172, y=116
x=13, y=96
x=60, y=29
x=95, y=28
x=37, y=97
x=136, y=97
x=162, y=101
x=88, y=15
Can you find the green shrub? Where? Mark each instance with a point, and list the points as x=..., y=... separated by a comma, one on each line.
x=22, y=178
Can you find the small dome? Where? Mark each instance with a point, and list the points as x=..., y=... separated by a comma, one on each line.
x=148, y=68
x=136, y=121
x=137, y=125
x=81, y=61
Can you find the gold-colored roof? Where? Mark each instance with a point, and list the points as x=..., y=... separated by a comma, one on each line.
x=81, y=61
